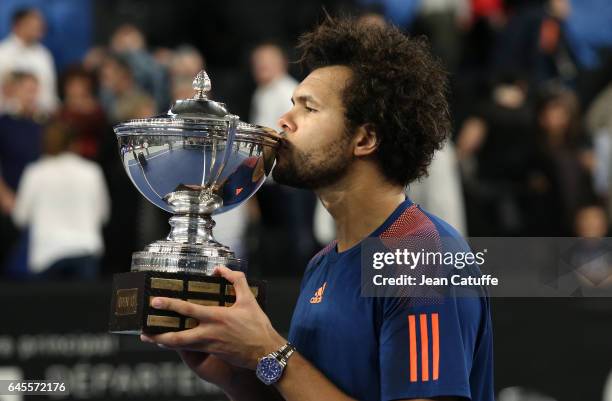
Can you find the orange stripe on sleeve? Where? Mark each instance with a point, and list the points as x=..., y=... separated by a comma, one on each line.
x=435, y=333
x=424, y=348
x=413, y=356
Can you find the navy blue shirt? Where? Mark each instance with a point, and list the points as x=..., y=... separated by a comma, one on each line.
x=382, y=349
x=20, y=144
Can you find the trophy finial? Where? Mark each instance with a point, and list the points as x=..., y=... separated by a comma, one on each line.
x=201, y=83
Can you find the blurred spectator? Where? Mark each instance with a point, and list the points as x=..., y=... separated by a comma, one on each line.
x=275, y=86
x=184, y=65
x=440, y=192
x=163, y=56
x=23, y=51
x=591, y=255
x=564, y=148
x=591, y=221
x=186, y=62
x=182, y=88
x=599, y=124
x=82, y=111
x=22, y=92
x=94, y=59
x=129, y=42
x=493, y=148
x=535, y=43
x=119, y=92
x=20, y=137
x=20, y=133
x=63, y=199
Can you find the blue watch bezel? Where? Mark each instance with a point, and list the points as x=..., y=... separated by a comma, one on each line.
x=263, y=373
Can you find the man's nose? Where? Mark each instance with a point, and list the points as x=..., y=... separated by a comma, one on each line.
x=286, y=123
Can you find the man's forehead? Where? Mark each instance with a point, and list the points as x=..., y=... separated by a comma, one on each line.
x=324, y=83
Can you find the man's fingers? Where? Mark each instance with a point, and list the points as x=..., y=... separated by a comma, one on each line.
x=198, y=312
x=178, y=339
x=237, y=278
x=146, y=339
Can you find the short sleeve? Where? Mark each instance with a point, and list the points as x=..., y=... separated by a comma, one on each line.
x=427, y=347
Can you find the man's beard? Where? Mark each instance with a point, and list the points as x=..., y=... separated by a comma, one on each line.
x=300, y=169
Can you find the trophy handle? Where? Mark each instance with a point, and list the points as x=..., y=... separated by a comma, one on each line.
x=232, y=127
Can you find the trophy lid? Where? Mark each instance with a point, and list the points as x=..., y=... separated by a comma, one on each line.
x=199, y=106
x=198, y=116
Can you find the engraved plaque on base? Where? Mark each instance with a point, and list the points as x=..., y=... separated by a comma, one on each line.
x=131, y=312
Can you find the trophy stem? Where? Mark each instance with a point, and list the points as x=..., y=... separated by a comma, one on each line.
x=190, y=248
x=193, y=229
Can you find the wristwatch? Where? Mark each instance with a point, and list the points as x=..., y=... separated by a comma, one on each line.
x=270, y=368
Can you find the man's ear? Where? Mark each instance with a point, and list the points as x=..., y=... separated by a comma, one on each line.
x=365, y=140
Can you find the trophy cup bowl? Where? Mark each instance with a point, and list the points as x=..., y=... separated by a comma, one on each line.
x=196, y=161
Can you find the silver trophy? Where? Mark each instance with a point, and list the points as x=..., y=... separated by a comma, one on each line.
x=196, y=161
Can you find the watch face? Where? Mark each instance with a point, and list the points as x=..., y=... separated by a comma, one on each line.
x=269, y=370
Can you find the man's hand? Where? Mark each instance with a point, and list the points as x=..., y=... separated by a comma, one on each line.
x=238, y=335
x=208, y=367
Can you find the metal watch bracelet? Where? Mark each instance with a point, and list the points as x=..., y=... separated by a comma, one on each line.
x=284, y=352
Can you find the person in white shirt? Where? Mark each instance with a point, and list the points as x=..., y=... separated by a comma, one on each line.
x=22, y=51
x=64, y=200
x=275, y=86
x=440, y=192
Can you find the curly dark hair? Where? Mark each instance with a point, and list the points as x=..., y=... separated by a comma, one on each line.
x=396, y=86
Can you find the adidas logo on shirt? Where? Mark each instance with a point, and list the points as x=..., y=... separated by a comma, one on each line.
x=318, y=296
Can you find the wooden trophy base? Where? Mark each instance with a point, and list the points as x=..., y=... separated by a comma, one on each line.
x=131, y=312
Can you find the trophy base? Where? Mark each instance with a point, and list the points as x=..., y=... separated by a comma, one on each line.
x=183, y=257
x=131, y=312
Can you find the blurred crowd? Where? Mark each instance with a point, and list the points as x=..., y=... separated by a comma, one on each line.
x=530, y=153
